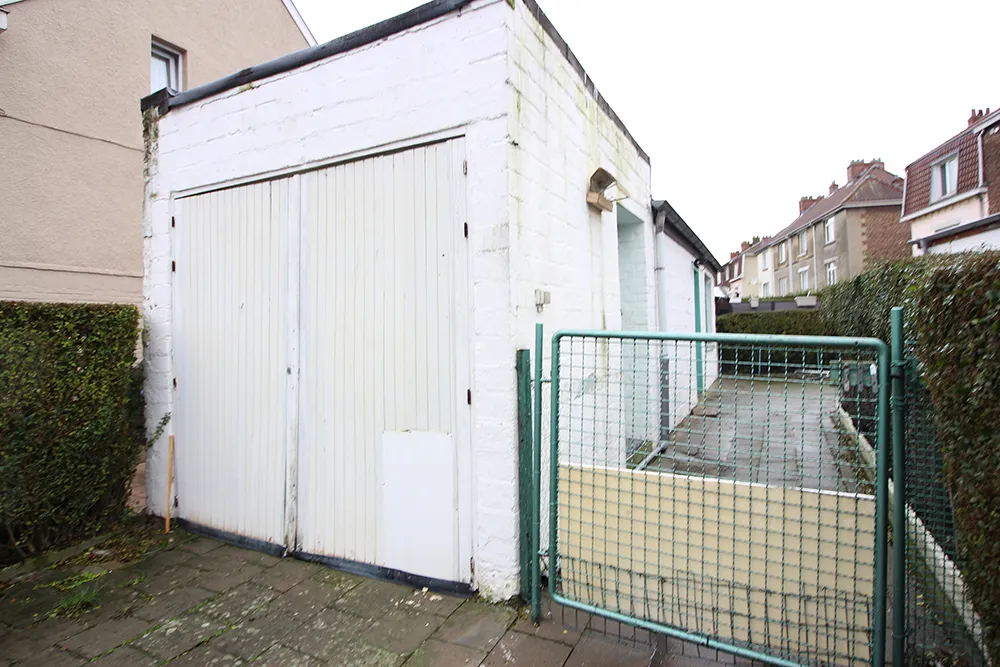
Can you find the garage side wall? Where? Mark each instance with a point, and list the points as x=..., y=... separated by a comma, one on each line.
x=443, y=78
x=560, y=133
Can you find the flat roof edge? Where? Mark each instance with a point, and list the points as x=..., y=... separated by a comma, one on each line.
x=411, y=19
x=588, y=83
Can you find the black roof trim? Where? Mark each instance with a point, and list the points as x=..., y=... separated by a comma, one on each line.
x=588, y=83
x=960, y=229
x=687, y=236
x=373, y=33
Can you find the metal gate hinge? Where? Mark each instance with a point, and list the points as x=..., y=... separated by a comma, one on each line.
x=466, y=228
x=175, y=383
x=173, y=266
x=173, y=221
x=465, y=167
x=468, y=396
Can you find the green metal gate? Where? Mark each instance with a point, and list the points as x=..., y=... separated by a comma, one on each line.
x=719, y=488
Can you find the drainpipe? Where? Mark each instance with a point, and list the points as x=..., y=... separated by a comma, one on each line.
x=698, y=328
x=660, y=270
x=979, y=147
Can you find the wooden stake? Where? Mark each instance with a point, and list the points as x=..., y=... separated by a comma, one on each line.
x=170, y=479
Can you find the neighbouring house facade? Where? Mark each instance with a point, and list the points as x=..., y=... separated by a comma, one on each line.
x=71, y=153
x=738, y=276
x=952, y=201
x=836, y=236
x=344, y=250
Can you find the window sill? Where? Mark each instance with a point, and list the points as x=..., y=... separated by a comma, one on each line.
x=829, y=243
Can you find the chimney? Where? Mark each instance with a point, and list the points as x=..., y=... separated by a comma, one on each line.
x=833, y=187
x=857, y=167
x=733, y=255
x=806, y=202
x=976, y=116
x=744, y=246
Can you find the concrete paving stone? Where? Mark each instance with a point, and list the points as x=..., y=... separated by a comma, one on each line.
x=222, y=579
x=439, y=604
x=170, y=578
x=598, y=651
x=125, y=656
x=200, y=545
x=523, y=650
x=173, y=603
x=244, y=602
x=549, y=628
x=360, y=654
x=477, y=625
x=179, y=635
x=228, y=552
x=282, y=656
x=249, y=640
x=373, y=598
x=24, y=643
x=105, y=636
x=340, y=581
x=286, y=574
x=52, y=657
x=23, y=605
x=433, y=653
x=171, y=557
x=325, y=633
x=306, y=599
x=205, y=656
x=402, y=631
x=621, y=632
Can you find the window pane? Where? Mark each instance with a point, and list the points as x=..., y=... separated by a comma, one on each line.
x=159, y=73
x=951, y=175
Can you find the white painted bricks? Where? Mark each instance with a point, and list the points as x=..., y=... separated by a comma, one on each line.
x=533, y=137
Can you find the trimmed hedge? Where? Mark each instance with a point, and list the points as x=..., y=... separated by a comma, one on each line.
x=71, y=429
x=748, y=359
x=956, y=318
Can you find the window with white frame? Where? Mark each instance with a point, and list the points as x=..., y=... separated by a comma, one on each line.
x=831, y=273
x=764, y=260
x=765, y=289
x=804, y=279
x=164, y=67
x=727, y=271
x=782, y=286
x=944, y=178
x=802, y=242
x=782, y=253
x=828, y=231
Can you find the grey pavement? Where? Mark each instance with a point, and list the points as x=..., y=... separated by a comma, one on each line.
x=201, y=602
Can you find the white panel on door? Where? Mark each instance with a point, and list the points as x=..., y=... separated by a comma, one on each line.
x=381, y=350
x=230, y=311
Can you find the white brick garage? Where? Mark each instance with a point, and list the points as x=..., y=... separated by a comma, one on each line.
x=325, y=410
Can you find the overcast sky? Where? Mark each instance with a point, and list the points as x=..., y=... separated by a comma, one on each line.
x=744, y=107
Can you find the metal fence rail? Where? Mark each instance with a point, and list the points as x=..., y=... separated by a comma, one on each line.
x=719, y=488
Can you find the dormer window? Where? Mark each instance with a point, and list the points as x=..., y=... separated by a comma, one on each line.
x=944, y=178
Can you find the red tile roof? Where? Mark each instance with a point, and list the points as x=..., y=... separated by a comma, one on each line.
x=918, y=174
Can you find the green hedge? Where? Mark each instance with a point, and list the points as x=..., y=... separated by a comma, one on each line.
x=956, y=318
x=743, y=359
x=70, y=422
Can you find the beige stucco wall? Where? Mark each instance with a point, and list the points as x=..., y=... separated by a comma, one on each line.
x=70, y=219
x=968, y=210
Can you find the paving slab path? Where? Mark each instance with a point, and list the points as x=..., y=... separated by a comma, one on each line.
x=197, y=601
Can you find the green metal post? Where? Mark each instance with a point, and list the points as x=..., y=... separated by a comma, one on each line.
x=554, y=469
x=524, y=464
x=536, y=483
x=898, y=481
x=881, y=509
x=697, y=327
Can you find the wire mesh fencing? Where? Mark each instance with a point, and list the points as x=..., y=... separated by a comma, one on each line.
x=942, y=627
x=722, y=488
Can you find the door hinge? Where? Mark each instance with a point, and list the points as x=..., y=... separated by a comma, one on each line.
x=465, y=167
x=173, y=266
x=465, y=227
x=173, y=221
x=468, y=396
x=175, y=383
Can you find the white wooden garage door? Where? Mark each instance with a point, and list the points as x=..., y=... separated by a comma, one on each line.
x=322, y=358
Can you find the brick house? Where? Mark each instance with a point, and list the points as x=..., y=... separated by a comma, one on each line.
x=836, y=236
x=948, y=207
x=738, y=276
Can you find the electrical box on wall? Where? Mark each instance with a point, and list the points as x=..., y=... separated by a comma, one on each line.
x=542, y=299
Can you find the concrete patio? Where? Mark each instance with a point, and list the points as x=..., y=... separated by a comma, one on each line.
x=198, y=601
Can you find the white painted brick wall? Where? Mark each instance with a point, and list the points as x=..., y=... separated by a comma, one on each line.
x=442, y=75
